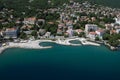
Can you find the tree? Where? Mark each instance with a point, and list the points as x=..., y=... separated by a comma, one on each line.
x=97, y=38
x=51, y=28
x=34, y=33
x=75, y=34
x=114, y=42
x=82, y=34
x=1, y=26
x=23, y=35
x=106, y=36
x=76, y=26
x=11, y=39
x=66, y=36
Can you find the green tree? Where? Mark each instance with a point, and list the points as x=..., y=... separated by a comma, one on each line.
x=106, y=36
x=82, y=34
x=75, y=34
x=114, y=42
x=97, y=38
x=34, y=33
x=23, y=35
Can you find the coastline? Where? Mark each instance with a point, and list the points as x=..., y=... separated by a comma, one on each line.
x=35, y=44
x=27, y=45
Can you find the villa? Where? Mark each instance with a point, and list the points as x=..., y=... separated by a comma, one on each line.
x=92, y=35
x=78, y=31
x=100, y=33
x=47, y=34
x=109, y=26
x=30, y=20
x=61, y=25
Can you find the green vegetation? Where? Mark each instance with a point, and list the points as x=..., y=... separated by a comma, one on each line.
x=23, y=35
x=31, y=8
x=48, y=16
x=82, y=34
x=34, y=33
x=113, y=39
x=97, y=38
x=51, y=28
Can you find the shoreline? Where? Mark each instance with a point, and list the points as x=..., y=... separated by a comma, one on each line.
x=27, y=45
x=35, y=44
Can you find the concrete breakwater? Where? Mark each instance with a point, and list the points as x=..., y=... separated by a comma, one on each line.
x=35, y=44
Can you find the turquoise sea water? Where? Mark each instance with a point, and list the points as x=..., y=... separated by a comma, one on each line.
x=60, y=63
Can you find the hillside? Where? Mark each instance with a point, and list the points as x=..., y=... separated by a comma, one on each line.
x=110, y=3
x=30, y=6
x=21, y=4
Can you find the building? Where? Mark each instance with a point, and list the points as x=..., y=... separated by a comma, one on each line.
x=117, y=20
x=59, y=32
x=69, y=24
x=42, y=32
x=90, y=28
x=70, y=32
x=61, y=25
x=11, y=33
x=118, y=31
x=92, y=35
x=47, y=34
x=117, y=28
x=30, y=20
x=100, y=33
x=78, y=31
x=109, y=26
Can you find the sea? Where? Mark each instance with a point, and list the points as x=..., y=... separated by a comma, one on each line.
x=60, y=63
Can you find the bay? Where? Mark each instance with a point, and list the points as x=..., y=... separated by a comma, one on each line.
x=60, y=63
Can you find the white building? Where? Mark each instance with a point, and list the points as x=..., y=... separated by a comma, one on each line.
x=92, y=35
x=100, y=33
x=90, y=28
x=117, y=20
x=117, y=31
x=117, y=28
x=47, y=35
x=70, y=32
x=30, y=20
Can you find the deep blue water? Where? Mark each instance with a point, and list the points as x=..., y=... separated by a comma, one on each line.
x=60, y=63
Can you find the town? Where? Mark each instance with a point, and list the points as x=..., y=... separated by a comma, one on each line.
x=93, y=22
